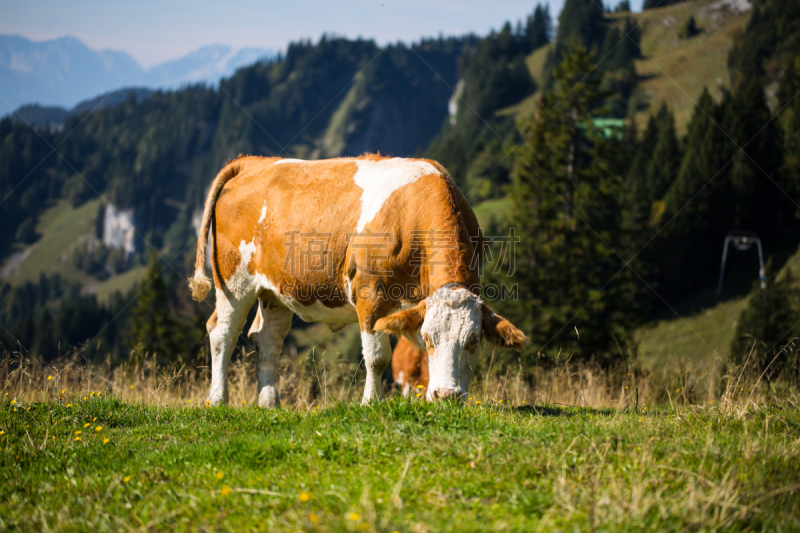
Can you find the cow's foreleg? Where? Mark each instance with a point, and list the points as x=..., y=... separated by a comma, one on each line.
x=270, y=327
x=223, y=329
x=377, y=355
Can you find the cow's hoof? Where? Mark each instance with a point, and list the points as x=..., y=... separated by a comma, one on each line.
x=216, y=399
x=269, y=398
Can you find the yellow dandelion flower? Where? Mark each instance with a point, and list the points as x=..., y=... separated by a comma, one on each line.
x=63, y=391
x=501, y=401
x=77, y=438
x=219, y=475
x=126, y=479
x=69, y=405
x=188, y=401
x=477, y=402
x=1, y=431
x=105, y=440
x=131, y=386
x=13, y=402
x=420, y=387
x=313, y=517
x=419, y=394
x=49, y=377
x=28, y=409
x=93, y=419
x=78, y=432
x=92, y=394
x=98, y=428
x=85, y=398
x=225, y=490
x=244, y=402
x=355, y=517
x=87, y=424
x=304, y=497
x=99, y=393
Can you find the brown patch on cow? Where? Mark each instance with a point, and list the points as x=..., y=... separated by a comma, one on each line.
x=212, y=322
x=225, y=259
x=373, y=157
x=501, y=332
x=410, y=366
x=406, y=323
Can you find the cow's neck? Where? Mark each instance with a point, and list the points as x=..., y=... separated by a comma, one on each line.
x=449, y=262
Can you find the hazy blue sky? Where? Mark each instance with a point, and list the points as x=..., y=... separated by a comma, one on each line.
x=136, y=25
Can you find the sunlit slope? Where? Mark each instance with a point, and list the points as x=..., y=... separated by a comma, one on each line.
x=674, y=69
x=702, y=337
x=65, y=229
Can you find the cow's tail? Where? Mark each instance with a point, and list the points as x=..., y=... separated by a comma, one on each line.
x=200, y=284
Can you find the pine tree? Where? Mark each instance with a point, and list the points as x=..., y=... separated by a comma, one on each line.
x=153, y=330
x=789, y=102
x=539, y=27
x=698, y=206
x=769, y=322
x=567, y=187
x=654, y=168
x=665, y=161
x=756, y=184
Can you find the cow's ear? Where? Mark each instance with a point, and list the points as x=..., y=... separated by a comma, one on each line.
x=406, y=323
x=501, y=332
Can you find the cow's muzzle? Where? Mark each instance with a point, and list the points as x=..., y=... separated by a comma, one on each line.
x=447, y=394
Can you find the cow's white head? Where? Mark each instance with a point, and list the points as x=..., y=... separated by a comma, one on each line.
x=450, y=324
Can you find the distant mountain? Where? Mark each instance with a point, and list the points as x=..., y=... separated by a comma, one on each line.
x=64, y=71
x=54, y=117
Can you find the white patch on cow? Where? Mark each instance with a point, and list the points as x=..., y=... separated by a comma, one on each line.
x=263, y=213
x=377, y=354
x=348, y=290
x=379, y=179
x=282, y=161
x=452, y=318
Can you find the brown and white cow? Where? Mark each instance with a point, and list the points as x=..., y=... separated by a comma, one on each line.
x=389, y=243
x=410, y=367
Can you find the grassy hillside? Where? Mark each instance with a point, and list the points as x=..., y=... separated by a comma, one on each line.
x=395, y=466
x=64, y=228
x=672, y=69
x=675, y=70
x=703, y=337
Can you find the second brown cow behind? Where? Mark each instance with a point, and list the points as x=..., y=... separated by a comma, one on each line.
x=410, y=367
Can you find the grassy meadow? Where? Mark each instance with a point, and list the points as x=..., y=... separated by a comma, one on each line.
x=134, y=448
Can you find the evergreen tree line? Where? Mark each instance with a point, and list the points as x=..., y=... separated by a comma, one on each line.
x=52, y=318
x=589, y=203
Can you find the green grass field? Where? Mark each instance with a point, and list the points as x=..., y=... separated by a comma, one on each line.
x=100, y=464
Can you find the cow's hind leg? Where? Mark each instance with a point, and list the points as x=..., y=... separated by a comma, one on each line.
x=269, y=329
x=223, y=328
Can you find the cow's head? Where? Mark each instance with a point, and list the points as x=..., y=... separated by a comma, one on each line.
x=450, y=324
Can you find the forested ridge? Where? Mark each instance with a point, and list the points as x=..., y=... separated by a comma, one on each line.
x=614, y=222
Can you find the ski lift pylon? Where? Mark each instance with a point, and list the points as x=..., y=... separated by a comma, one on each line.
x=742, y=240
